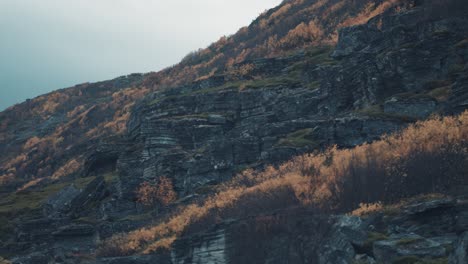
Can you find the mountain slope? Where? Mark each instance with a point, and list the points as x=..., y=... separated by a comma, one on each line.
x=403, y=65
x=51, y=133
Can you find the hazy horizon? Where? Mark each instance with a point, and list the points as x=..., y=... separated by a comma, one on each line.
x=52, y=44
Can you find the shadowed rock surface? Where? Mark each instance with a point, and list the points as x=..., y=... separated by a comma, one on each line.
x=381, y=76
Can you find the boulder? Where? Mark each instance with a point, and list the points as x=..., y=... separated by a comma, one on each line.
x=93, y=192
x=418, y=107
x=400, y=246
x=460, y=254
x=426, y=206
x=347, y=232
x=59, y=204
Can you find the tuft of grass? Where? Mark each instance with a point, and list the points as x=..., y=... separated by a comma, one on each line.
x=206, y=189
x=199, y=116
x=90, y=219
x=313, y=85
x=299, y=138
x=373, y=237
x=462, y=44
x=441, y=33
x=437, y=84
x=163, y=98
x=373, y=110
x=407, y=241
x=139, y=217
x=281, y=81
x=455, y=69
x=410, y=95
x=376, y=111
x=110, y=177
x=320, y=55
x=365, y=209
x=4, y=261
x=441, y=94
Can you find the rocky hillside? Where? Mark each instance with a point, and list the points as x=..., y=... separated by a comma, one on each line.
x=89, y=148
x=429, y=229
x=48, y=137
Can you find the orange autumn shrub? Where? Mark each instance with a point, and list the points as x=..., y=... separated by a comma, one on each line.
x=159, y=194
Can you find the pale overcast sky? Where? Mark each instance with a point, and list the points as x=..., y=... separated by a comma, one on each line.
x=50, y=44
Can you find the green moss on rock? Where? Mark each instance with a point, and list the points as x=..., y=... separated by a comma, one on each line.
x=299, y=138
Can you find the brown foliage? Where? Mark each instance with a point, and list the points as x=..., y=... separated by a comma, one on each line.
x=291, y=26
x=426, y=157
x=302, y=35
x=31, y=142
x=162, y=193
x=69, y=168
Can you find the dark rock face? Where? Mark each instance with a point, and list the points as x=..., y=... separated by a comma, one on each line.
x=59, y=204
x=420, y=232
x=415, y=108
x=394, y=70
x=461, y=250
x=94, y=191
x=75, y=230
x=407, y=245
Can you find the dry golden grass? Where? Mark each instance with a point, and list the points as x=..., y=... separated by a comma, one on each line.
x=294, y=25
x=367, y=208
x=68, y=168
x=337, y=179
x=4, y=261
x=30, y=143
x=302, y=35
x=7, y=178
x=30, y=184
x=371, y=10
x=280, y=12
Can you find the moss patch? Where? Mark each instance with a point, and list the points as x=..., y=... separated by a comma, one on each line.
x=462, y=44
x=441, y=94
x=320, y=55
x=299, y=138
x=111, y=177
x=206, y=189
x=198, y=116
x=282, y=81
x=411, y=95
x=406, y=241
x=376, y=111
x=31, y=200
x=138, y=217
x=439, y=89
x=372, y=237
x=4, y=261
x=455, y=69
